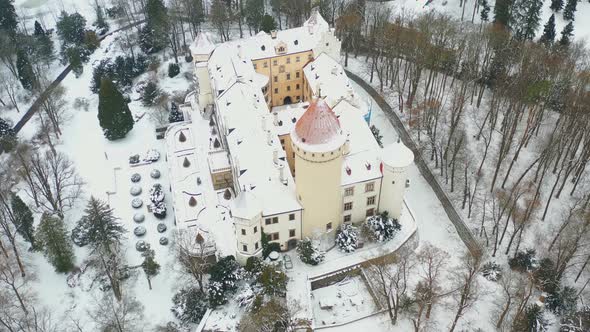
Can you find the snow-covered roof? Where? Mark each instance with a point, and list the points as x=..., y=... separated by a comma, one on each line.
x=202, y=45
x=327, y=79
x=397, y=155
x=245, y=205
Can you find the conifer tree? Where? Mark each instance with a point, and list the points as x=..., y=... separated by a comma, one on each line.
x=566, y=35
x=99, y=227
x=548, y=32
x=154, y=36
x=556, y=5
x=8, y=18
x=149, y=265
x=502, y=12
x=268, y=23
x=38, y=29
x=570, y=10
x=44, y=43
x=114, y=115
x=485, y=10
x=7, y=136
x=101, y=23
x=526, y=17
x=52, y=238
x=25, y=70
x=23, y=219
x=254, y=10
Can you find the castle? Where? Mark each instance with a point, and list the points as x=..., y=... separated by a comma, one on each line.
x=275, y=119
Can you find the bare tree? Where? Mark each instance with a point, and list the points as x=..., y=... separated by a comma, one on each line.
x=110, y=314
x=51, y=179
x=466, y=283
x=191, y=251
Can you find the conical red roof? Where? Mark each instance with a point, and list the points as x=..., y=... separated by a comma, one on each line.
x=319, y=124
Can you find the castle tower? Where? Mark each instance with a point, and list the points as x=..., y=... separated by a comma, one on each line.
x=395, y=159
x=201, y=50
x=247, y=216
x=318, y=143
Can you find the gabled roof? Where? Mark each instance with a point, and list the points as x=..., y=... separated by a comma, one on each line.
x=202, y=45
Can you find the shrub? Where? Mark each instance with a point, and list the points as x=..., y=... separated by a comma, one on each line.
x=347, y=238
x=267, y=246
x=150, y=93
x=216, y=294
x=273, y=281
x=382, y=228
x=532, y=319
x=492, y=271
x=563, y=301
x=254, y=265
x=7, y=136
x=545, y=276
x=173, y=70
x=190, y=304
x=216, y=143
x=524, y=261
x=308, y=253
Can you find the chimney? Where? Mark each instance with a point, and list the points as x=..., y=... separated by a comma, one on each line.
x=273, y=34
x=335, y=71
x=275, y=156
x=269, y=137
x=263, y=123
x=275, y=118
x=282, y=176
x=346, y=149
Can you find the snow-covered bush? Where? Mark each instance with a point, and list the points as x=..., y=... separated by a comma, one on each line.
x=216, y=294
x=524, y=261
x=492, y=271
x=189, y=305
x=173, y=70
x=135, y=177
x=308, y=253
x=227, y=272
x=134, y=159
x=347, y=238
x=163, y=240
x=545, y=276
x=161, y=228
x=563, y=301
x=150, y=93
x=136, y=203
x=151, y=155
x=254, y=265
x=135, y=190
x=245, y=297
x=79, y=236
x=273, y=281
x=175, y=114
x=141, y=246
x=159, y=210
x=157, y=194
x=155, y=174
x=382, y=228
x=576, y=322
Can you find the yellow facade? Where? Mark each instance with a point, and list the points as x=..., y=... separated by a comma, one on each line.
x=323, y=212
x=285, y=73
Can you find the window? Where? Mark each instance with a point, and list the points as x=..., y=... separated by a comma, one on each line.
x=289, y=60
x=297, y=59
x=291, y=233
x=297, y=86
x=244, y=247
x=369, y=187
x=275, y=79
x=275, y=62
x=265, y=64
x=276, y=90
x=255, y=229
x=274, y=236
x=370, y=212
x=255, y=66
x=288, y=76
x=349, y=191
x=281, y=69
x=309, y=56
x=282, y=49
x=296, y=74
x=348, y=206
x=288, y=88
x=275, y=220
x=256, y=246
x=243, y=231
x=371, y=200
x=329, y=226
x=267, y=221
x=292, y=216
x=347, y=218
x=298, y=98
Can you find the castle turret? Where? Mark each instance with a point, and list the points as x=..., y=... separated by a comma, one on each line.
x=318, y=143
x=247, y=216
x=395, y=160
x=201, y=50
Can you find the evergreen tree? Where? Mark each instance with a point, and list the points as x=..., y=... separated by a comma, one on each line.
x=44, y=44
x=23, y=219
x=71, y=29
x=570, y=9
x=531, y=319
x=7, y=136
x=175, y=114
x=157, y=24
x=150, y=93
x=556, y=5
x=254, y=11
x=308, y=253
x=114, y=115
x=566, y=34
x=347, y=238
x=39, y=31
x=526, y=17
x=53, y=239
x=149, y=265
x=502, y=12
x=485, y=10
x=25, y=70
x=99, y=227
x=268, y=23
x=101, y=23
x=8, y=18
x=548, y=32
x=190, y=305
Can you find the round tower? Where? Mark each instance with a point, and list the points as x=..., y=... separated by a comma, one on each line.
x=318, y=143
x=395, y=160
x=247, y=215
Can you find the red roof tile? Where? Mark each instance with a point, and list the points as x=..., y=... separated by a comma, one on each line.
x=319, y=124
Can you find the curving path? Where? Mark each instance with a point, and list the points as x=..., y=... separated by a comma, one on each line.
x=464, y=232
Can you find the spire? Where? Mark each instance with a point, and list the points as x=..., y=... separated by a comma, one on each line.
x=318, y=125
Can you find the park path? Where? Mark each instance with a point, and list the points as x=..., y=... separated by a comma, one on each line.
x=464, y=232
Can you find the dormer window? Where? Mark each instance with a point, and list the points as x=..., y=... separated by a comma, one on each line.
x=263, y=47
x=296, y=42
x=281, y=49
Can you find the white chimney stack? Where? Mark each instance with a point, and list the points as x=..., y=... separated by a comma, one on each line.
x=275, y=118
x=275, y=156
x=269, y=137
x=263, y=119
x=282, y=176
